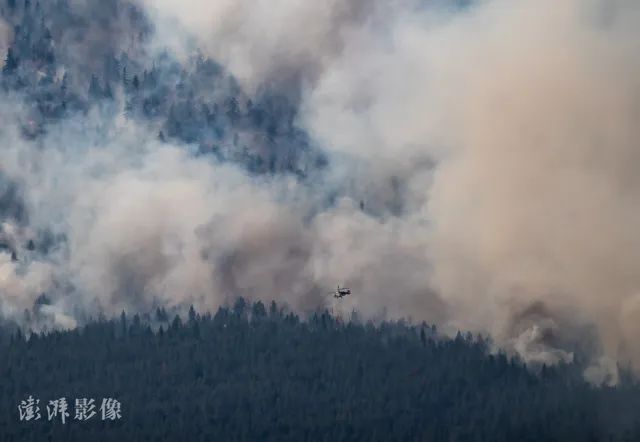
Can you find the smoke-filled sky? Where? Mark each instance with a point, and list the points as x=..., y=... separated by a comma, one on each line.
x=493, y=145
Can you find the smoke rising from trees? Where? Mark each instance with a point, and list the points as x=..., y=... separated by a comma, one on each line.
x=481, y=171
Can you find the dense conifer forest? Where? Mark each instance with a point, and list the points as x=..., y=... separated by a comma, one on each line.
x=67, y=58
x=249, y=373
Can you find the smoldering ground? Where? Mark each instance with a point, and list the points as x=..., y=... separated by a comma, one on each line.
x=494, y=148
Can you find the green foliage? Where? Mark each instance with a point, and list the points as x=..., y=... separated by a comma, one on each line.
x=245, y=374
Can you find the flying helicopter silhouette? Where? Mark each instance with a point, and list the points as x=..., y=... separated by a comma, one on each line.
x=341, y=292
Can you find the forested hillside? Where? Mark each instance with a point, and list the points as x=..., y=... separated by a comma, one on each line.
x=386, y=156
x=68, y=57
x=251, y=373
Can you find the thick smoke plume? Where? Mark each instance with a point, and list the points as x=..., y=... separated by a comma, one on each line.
x=484, y=157
x=531, y=110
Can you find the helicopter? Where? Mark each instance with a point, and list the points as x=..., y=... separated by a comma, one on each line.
x=341, y=292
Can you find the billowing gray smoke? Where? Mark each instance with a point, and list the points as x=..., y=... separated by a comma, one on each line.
x=494, y=148
x=146, y=223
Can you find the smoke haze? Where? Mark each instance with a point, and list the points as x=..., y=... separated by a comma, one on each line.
x=482, y=175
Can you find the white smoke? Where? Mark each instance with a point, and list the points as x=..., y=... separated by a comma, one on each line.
x=529, y=107
x=6, y=36
x=146, y=223
x=495, y=149
x=262, y=41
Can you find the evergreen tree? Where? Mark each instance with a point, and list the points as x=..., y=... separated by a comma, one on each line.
x=10, y=63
